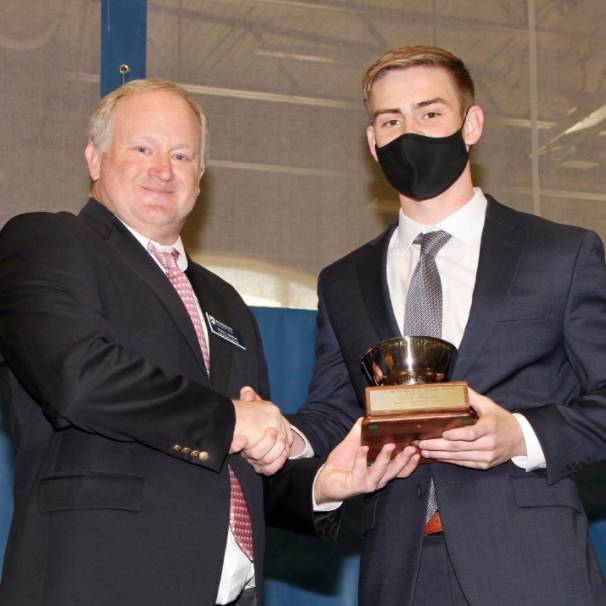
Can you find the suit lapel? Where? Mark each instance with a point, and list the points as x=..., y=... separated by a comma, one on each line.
x=372, y=277
x=140, y=261
x=503, y=241
x=213, y=303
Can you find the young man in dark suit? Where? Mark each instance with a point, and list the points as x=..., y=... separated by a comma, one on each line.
x=524, y=301
x=131, y=373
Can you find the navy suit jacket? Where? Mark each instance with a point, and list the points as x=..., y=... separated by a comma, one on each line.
x=535, y=343
x=105, y=376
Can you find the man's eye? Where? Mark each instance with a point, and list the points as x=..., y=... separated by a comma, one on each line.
x=180, y=157
x=432, y=115
x=393, y=122
x=142, y=149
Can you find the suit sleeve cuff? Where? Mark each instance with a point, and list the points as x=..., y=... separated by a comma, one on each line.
x=308, y=452
x=330, y=506
x=535, y=458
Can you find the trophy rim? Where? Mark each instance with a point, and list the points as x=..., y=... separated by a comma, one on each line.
x=406, y=337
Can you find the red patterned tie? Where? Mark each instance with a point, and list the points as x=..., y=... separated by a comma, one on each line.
x=239, y=516
x=183, y=286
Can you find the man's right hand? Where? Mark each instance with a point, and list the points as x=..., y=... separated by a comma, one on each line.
x=255, y=418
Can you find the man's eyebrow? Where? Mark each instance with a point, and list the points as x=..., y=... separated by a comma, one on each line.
x=414, y=106
x=145, y=138
x=430, y=102
x=380, y=112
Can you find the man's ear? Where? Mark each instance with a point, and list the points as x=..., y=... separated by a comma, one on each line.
x=474, y=125
x=372, y=141
x=93, y=159
x=200, y=173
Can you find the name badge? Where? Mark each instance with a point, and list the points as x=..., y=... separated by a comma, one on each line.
x=225, y=332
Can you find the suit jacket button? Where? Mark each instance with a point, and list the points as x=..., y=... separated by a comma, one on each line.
x=194, y=453
x=586, y=462
x=419, y=490
x=565, y=469
x=186, y=450
x=177, y=447
x=203, y=456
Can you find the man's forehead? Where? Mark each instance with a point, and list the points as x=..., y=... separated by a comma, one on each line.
x=155, y=108
x=151, y=98
x=414, y=86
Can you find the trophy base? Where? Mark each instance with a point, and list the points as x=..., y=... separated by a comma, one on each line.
x=403, y=429
x=406, y=414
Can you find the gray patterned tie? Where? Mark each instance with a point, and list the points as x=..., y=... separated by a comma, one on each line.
x=423, y=314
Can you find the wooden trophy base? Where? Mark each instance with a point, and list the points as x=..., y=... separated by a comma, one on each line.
x=405, y=414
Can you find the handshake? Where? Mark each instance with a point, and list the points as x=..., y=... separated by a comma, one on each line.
x=266, y=440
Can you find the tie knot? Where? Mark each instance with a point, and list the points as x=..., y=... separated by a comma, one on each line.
x=168, y=260
x=173, y=255
x=432, y=242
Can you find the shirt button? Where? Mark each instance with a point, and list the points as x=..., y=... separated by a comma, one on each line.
x=419, y=490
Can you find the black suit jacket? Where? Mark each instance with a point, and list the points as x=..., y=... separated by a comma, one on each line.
x=535, y=342
x=105, y=377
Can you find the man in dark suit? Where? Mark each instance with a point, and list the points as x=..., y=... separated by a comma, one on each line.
x=130, y=372
x=524, y=300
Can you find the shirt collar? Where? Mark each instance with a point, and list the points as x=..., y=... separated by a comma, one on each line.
x=144, y=241
x=466, y=224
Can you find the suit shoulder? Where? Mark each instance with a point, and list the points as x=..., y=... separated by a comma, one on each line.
x=41, y=240
x=538, y=226
x=35, y=223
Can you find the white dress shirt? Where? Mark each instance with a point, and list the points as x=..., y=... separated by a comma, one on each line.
x=238, y=571
x=457, y=263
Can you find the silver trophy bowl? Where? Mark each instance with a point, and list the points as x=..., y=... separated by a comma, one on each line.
x=407, y=361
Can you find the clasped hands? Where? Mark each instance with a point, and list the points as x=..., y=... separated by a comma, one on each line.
x=261, y=433
x=494, y=439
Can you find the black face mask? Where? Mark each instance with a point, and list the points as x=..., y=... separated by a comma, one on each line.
x=422, y=167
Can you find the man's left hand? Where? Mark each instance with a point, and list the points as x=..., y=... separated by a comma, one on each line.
x=494, y=439
x=347, y=474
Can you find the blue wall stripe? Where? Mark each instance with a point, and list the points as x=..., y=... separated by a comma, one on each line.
x=123, y=42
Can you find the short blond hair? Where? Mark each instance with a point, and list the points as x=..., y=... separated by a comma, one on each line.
x=422, y=56
x=101, y=122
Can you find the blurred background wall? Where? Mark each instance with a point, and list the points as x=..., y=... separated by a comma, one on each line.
x=290, y=186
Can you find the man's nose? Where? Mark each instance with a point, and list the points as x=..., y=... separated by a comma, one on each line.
x=161, y=167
